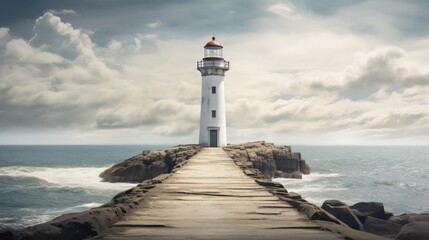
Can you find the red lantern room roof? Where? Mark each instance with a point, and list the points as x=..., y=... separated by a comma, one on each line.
x=213, y=43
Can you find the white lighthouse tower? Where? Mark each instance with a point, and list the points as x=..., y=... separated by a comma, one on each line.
x=212, y=118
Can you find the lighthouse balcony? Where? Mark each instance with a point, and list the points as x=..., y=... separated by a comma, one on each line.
x=219, y=64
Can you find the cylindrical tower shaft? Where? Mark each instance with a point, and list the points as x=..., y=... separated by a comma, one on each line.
x=212, y=117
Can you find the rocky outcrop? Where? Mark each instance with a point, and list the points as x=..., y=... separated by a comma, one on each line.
x=271, y=160
x=149, y=164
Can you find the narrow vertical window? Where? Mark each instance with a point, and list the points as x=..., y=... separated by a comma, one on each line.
x=213, y=90
x=213, y=113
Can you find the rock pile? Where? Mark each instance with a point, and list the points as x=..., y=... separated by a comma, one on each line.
x=365, y=220
x=371, y=217
x=271, y=160
x=149, y=164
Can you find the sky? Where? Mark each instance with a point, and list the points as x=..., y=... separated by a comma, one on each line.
x=302, y=72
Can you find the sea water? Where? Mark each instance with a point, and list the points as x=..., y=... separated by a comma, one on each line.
x=38, y=183
x=397, y=176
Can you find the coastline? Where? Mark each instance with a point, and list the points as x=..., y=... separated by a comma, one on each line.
x=123, y=203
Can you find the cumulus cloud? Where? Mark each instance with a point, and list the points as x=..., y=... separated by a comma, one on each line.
x=57, y=80
x=53, y=35
x=315, y=76
x=380, y=95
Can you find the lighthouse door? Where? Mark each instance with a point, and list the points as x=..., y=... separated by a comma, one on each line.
x=213, y=138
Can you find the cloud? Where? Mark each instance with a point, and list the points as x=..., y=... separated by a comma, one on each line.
x=155, y=24
x=285, y=10
x=58, y=80
x=4, y=36
x=167, y=117
x=114, y=44
x=329, y=76
x=55, y=36
x=62, y=11
x=55, y=78
x=19, y=51
x=4, y=32
x=381, y=95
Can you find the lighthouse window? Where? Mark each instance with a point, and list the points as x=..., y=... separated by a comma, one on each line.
x=213, y=90
x=213, y=52
x=213, y=113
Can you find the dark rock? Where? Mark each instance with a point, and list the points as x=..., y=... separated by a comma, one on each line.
x=271, y=160
x=341, y=211
x=410, y=217
x=349, y=233
x=149, y=164
x=292, y=195
x=381, y=227
x=315, y=213
x=9, y=234
x=373, y=209
x=388, y=215
x=335, y=203
x=268, y=183
x=414, y=231
x=74, y=225
x=297, y=174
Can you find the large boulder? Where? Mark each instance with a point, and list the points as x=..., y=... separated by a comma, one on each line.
x=381, y=227
x=414, y=231
x=341, y=211
x=365, y=209
x=315, y=213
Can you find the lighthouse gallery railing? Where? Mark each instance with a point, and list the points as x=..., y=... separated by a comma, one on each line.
x=213, y=63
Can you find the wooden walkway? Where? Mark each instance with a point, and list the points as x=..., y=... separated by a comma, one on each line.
x=211, y=198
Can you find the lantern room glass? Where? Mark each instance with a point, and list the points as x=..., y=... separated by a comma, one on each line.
x=213, y=52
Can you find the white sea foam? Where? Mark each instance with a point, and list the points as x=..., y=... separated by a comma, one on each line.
x=308, y=183
x=309, y=177
x=76, y=208
x=90, y=205
x=83, y=177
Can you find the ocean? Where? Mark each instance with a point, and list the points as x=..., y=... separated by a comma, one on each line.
x=397, y=176
x=38, y=183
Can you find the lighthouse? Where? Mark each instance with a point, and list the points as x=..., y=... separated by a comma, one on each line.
x=212, y=116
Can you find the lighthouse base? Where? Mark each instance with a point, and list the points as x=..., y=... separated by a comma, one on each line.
x=213, y=137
